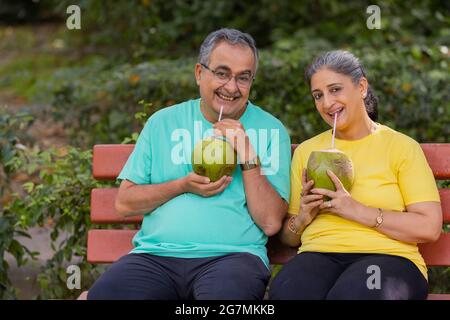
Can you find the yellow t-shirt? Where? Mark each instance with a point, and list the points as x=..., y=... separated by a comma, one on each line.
x=390, y=172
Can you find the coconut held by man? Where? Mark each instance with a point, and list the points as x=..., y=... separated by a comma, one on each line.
x=214, y=157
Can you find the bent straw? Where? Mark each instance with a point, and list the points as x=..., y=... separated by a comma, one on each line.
x=334, y=131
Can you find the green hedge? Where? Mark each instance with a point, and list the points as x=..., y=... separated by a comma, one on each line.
x=160, y=28
x=98, y=102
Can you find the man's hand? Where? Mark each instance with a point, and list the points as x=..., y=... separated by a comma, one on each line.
x=235, y=133
x=194, y=183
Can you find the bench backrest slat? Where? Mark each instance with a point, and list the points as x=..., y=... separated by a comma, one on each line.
x=103, y=211
x=108, y=159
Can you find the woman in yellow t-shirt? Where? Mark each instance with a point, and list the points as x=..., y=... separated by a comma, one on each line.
x=362, y=243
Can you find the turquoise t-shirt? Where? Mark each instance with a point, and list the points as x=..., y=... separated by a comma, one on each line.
x=191, y=226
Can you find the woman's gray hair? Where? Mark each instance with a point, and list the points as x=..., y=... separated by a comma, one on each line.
x=231, y=36
x=345, y=63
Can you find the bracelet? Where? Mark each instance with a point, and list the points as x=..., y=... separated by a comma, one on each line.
x=379, y=219
x=291, y=226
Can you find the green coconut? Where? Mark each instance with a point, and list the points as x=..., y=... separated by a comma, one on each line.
x=336, y=161
x=214, y=157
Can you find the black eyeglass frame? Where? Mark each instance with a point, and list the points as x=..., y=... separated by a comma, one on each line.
x=252, y=78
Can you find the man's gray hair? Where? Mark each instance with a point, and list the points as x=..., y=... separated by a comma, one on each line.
x=231, y=36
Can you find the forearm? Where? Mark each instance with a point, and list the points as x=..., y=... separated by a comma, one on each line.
x=265, y=205
x=141, y=199
x=402, y=226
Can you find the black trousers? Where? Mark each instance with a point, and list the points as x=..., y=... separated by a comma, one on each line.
x=349, y=276
x=140, y=276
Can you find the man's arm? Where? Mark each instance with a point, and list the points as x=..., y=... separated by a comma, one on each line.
x=264, y=203
x=136, y=199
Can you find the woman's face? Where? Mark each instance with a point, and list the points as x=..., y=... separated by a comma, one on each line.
x=335, y=93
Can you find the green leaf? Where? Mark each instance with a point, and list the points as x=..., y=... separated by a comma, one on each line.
x=28, y=186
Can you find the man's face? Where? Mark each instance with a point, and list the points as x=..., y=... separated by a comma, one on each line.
x=237, y=61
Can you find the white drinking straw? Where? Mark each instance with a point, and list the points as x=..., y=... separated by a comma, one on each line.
x=220, y=114
x=334, y=131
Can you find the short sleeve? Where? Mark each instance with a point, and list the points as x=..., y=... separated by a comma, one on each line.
x=415, y=178
x=138, y=166
x=296, y=182
x=276, y=162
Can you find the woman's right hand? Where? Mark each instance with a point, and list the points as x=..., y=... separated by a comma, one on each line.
x=309, y=203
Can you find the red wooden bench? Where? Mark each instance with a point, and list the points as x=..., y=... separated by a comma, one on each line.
x=106, y=246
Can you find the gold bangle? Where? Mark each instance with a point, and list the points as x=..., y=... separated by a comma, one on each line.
x=291, y=226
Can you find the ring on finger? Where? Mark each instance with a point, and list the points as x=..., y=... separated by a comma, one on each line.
x=329, y=205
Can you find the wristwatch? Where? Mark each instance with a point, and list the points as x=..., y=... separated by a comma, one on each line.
x=379, y=219
x=250, y=164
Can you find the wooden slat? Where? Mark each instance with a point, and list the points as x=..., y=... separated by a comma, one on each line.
x=279, y=253
x=445, y=204
x=438, y=296
x=106, y=246
x=438, y=157
x=109, y=159
x=293, y=147
x=437, y=253
x=431, y=296
x=102, y=208
x=103, y=211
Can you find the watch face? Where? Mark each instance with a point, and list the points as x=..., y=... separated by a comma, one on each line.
x=379, y=219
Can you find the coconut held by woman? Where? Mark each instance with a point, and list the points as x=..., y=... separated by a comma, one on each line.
x=330, y=159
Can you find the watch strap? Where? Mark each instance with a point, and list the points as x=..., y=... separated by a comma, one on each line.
x=250, y=164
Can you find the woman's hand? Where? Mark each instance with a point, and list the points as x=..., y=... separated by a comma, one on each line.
x=309, y=203
x=341, y=202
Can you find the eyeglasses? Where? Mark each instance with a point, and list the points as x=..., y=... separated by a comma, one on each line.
x=243, y=80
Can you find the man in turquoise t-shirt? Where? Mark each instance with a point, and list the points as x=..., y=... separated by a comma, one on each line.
x=202, y=239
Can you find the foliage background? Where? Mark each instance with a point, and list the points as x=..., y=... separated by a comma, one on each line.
x=91, y=81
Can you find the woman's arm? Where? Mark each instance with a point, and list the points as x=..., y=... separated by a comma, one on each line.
x=294, y=225
x=421, y=222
